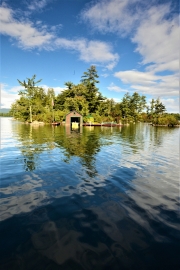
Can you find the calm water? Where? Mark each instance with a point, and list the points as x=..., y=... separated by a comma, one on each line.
x=104, y=198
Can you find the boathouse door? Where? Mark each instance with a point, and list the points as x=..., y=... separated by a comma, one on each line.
x=75, y=122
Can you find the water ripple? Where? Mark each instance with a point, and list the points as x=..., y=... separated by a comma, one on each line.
x=106, y=198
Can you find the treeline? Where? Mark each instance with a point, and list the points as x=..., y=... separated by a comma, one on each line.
x=8, y=114
x=37, y=104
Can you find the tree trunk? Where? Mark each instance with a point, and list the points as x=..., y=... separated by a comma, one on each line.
x=30, y=112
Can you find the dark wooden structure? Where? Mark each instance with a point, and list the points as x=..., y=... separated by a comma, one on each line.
x=102, y=124
x=73, y=118
x=55, y=123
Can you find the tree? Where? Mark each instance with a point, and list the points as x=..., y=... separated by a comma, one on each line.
x=155, y=109
x=29, y=92
x=132, y=106
x=89, y=79
x=69, y=85
x=117, y=113
x=86, y=90
x=125, y=106
x=20, y=109
x=50, y=97
x=137, y=104
x=159, y=107
x=83, y=97
x=77, y=103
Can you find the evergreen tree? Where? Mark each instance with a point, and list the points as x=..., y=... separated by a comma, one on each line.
x=125, y=106
x=89, y=79
x=69, y=85
x=132, y=106
x=155, y=109
x=159, y=107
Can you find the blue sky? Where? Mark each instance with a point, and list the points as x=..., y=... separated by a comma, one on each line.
x=133, y=43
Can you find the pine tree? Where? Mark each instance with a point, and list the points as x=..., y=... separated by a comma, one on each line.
x=89, y=79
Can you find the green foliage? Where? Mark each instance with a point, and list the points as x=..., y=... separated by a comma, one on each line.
x=78, y=103
x=90, y=78
x=168, y=120
x=93, y=96
x=132, y=106
x=8, y=114
x=69, y=85
x=97, y=118
x=90, y=118
x=29, y=87
x=36, y=104
x=155, y=109
x=32, y=96
x=176, y=115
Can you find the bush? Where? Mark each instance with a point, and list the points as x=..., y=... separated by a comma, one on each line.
x=97, y=118
x=59, y=115
x=47, y=117
x=172, y=120
x=87, y=119
x=168, y=120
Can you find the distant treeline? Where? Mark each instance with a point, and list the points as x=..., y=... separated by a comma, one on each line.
x=35, y=104
x=9, y=114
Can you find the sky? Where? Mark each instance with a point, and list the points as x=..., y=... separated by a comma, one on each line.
x=134, y=45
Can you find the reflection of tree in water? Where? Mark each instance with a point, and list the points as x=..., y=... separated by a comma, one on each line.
x=139, y=134
x=33, y=140
x=29, y=163
x=134, y=135
x=158, y=134
x=36, y=139
x=84, y=145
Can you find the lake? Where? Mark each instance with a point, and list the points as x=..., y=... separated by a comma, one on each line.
x=102, y=198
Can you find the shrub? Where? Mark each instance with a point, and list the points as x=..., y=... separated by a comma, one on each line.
x=168, y=120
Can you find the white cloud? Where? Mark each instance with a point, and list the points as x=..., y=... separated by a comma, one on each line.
x=27, y=35
x=37, y=4
x=134, y=76
x=57, y=89
x=157, y=40
x=162, y=90
x=148, y=83
x=56, y=28
x=9, y=95
x=113, y=16
x=90, y=51
x=105, y=75
x=31, y=36
x=171, y=65
x=172, y=105
x=116, y=88
x=117, y=100
x=153, y=27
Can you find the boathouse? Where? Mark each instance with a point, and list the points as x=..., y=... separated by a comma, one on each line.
x=74, y=118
